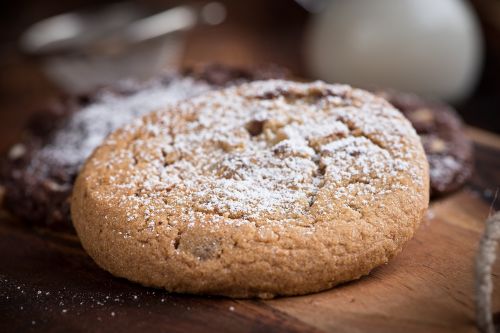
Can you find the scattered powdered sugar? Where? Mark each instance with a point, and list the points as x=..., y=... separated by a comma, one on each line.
x=39, y=307
x=262, y=151
x=444, y=168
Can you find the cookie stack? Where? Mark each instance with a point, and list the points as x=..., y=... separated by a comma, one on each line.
x=219, y=182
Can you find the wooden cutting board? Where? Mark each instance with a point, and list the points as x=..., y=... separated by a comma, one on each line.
x=48, y=283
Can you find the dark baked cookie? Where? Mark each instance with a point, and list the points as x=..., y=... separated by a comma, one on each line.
x=448, y=150
x=38, y=172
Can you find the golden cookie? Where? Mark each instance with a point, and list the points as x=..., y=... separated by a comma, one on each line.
x=269, y=188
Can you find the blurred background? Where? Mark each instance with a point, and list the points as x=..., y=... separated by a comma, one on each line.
x=447, y=49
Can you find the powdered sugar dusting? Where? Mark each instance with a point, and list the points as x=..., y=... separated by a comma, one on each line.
x=88, y=127
x=263, y=151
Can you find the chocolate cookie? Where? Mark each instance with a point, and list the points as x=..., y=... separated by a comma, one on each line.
x=38, y=173
x=268, y=188
x=448, y=150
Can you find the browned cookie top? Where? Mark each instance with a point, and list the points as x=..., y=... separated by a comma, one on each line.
x=448, y=150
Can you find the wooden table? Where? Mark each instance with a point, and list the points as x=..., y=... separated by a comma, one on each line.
x=48, y=283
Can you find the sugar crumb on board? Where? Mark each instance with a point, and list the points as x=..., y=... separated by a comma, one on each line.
x=43, y=303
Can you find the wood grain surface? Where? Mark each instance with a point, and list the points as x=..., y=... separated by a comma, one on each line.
x=48, y=283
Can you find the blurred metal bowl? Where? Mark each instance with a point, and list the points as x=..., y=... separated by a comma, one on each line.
x=84, y=49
